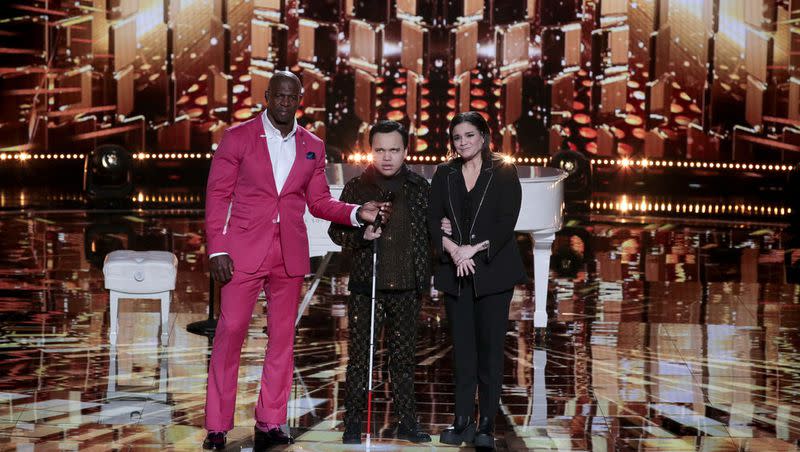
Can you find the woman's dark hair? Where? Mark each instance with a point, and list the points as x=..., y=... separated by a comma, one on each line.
x=387, y=126
x=477, y=120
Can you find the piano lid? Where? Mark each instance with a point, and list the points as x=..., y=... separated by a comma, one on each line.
x=540, y=174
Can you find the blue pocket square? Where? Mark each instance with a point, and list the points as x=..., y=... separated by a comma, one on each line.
x=311, y=156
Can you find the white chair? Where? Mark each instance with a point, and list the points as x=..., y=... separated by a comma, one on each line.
x=140, y=274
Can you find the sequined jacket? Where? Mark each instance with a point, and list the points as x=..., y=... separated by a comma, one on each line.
x=364, y=188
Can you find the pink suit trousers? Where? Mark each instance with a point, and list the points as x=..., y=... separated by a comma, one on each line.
x=240, y=294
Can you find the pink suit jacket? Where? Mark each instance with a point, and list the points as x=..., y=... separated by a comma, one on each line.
x=241, y=182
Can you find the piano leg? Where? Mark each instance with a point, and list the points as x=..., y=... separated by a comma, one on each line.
x=542, y=249
x=538, y=407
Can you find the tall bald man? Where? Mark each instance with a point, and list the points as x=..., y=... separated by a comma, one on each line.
x=263, y=175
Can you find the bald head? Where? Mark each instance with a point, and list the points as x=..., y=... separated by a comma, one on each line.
x=283, y=76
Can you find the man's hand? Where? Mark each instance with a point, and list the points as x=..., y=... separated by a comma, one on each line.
x=447, y=227
x=221, y=268
x=371, y=234
x=370, y=211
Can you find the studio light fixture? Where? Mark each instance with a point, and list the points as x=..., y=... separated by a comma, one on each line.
x=578, y=185
x=108, y=174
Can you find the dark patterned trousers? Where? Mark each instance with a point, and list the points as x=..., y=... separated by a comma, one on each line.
x=398, y=313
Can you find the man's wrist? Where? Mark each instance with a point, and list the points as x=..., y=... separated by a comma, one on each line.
x=360, y=221
x=354, y=221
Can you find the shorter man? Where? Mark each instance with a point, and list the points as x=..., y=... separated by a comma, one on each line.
x=403, y=275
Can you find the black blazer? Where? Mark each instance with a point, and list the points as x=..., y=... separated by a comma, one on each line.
x=499, y=268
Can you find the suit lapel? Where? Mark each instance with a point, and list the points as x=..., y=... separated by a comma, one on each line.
x=300, y=154
x=455, y=195
x=260, y=143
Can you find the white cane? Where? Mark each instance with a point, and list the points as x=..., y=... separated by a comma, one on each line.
x=371, y=339
x=388, y=197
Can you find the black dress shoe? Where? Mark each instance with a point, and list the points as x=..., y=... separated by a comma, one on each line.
x=352, y=433
x=412, y=433
x=272, y=437
x=484, y=437
x=214, y=441
x=462, y=430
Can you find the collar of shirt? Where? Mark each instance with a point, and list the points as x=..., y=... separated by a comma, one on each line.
x=273, y=132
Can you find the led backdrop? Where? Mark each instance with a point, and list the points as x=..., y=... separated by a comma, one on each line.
x=705, y=80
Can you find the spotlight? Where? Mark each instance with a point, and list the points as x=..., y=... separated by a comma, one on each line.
x=107, y=174
x=578, y=185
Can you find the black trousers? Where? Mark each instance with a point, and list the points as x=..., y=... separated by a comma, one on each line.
x=478, y=327
x=398, y=312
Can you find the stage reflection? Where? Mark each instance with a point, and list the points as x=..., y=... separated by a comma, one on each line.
x=662, y=335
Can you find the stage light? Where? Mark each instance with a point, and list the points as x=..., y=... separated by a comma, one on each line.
x=107, y=174
x=578, y=185
x=623, y=206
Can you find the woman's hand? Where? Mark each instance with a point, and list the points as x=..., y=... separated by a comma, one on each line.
x=462, y=253
x=465, y=268
x=457, y=253
x=371, y=234
x=447, y=227
x=449, y=245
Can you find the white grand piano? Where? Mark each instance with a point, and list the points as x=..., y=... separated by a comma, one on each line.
x=541, y=216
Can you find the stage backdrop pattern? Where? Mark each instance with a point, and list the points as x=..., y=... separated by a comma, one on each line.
x=704, y=80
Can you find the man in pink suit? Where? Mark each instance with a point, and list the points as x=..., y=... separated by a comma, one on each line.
x=263, y=175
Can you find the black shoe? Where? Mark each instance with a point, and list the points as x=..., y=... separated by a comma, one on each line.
x=214, y=441
x=462, y=430
x=272, y=437
x=484, y=437
x=352, y=433
x=412, y=433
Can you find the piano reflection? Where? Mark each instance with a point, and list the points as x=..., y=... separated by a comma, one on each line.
x=541, y=216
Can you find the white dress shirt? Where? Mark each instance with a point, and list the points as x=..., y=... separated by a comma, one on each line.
x=282, y=152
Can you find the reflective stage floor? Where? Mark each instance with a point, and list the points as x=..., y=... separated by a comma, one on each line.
x=664, y=335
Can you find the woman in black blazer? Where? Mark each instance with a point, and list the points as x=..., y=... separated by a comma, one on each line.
x=475, y=202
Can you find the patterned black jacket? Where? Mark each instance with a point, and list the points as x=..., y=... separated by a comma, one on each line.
x=364, y=188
